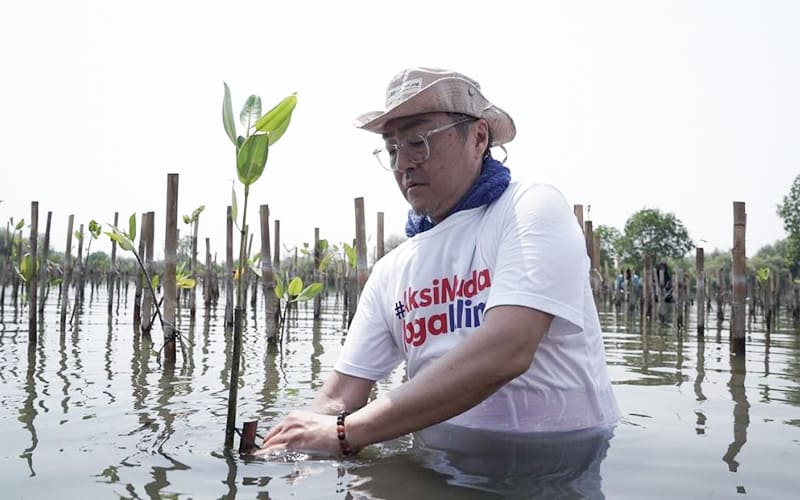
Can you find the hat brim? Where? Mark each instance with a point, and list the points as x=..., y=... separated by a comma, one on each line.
x=429, y=100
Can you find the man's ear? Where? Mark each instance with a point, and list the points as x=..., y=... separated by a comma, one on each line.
x=481, y=137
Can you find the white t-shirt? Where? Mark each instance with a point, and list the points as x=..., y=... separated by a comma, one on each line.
x=431, y=292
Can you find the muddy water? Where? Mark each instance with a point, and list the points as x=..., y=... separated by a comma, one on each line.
x=90, y=412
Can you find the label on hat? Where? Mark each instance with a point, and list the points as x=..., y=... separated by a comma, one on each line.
x=400, y=93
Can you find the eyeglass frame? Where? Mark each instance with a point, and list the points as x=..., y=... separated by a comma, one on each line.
x=423, y=136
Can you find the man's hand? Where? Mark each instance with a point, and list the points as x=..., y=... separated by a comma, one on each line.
x=303, y=431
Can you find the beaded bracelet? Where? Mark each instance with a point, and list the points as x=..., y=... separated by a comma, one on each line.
x=343, y=444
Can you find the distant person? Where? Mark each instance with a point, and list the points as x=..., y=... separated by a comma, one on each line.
x=488, y=302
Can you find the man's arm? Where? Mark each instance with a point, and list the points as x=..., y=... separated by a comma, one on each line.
x=340, y=392
x=497, y=352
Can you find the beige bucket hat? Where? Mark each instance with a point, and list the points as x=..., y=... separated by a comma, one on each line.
x=425, y=90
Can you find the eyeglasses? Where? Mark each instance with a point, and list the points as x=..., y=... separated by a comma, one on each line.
x=417, y=148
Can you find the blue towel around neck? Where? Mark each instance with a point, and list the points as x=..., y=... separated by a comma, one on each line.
x=488, y=187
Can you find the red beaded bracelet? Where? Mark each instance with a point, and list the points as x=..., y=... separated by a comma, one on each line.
x=343, y=444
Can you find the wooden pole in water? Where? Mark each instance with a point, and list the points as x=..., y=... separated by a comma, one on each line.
x=193, y=267
x=33, y=289
x=276, y=256
x=43, y=272
x=229, y=268
x=700, y=299
x=207, y=276
x=380, y=242
x=647, y=287
x=361, y=243
x=739, y=279
x=578, y=210
x=112, y=269
x=267, y=277
x=148, y=224
x=66, y=278
x=588, y=233
x=170, y=267
x=139, y=283
x=315, y=274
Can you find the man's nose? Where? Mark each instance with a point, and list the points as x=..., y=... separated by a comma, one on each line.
x=403, y=162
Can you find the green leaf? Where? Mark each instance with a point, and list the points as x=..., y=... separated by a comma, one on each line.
x=325, y=262
x=352, y=255
x=234, y=206
x=132, y=227
x=185, y=282
x=295, y=286
x=278, y=287
x=197, y=212
x=154, y=281
x=252, y=158
x=78, y=235
x=310, y=291
x=187, y=219
x=250, y=113
x=227, y=116
x=94, y=228
x=26, y=268
x=276, y=121
x=19, y=225
x=122, y=240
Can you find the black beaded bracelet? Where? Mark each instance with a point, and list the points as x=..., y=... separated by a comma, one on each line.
x=343, y=444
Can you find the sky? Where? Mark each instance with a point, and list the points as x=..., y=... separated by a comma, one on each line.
x=683, y=106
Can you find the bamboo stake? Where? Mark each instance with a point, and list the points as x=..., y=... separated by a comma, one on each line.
x=229, y=268
x=647, y=288
x=578, y=210
x=739, y=279
x=207, y=276
x=315, y=274
x=43, y=271
x=276, y=256
x=268, y=278
x=149, y=223
x=380, y=242
x=137, y=296
x=170, y=268
x=67, y=273
x=700, y=300
x=361, y=244
x=33, y=289
x=112, y=269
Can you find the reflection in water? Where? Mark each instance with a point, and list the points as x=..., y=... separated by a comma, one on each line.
x=28, y=412
x=542, y=465
x=741, y=411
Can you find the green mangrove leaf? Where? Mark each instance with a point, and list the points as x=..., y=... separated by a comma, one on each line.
x=197, y=212
x=276, y=121
x=352, y=255
x=154, y=281
x=121, y=239
x=252, y=158
x=78, y=235
x=132, y=227
x=310, y=291
x=187, y=219
x=26, y=268
x=278, y=287
x=185, y=282
x=250, y=113
x=19, y=225
x=234, y=206
x=227, y=116
x=94, y=228
x=762, y=274
x=295, y=286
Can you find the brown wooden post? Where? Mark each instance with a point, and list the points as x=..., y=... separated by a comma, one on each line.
x=267, y=278
x=148, y=223
x=170, y=267
x=679, y=291
x=229, y=268
x=700, y=299
x=33, y=288
x=380, y=242
x=112, y=270
x=589, y=241
x=193, y=266
x=315, y=274
x=248, y=440
x=207, y=282
x=43, y=271
x=67, y=277
x=276, y=256
x=79, y=269
x=361, y=243
x=647, y=287
x=139, y=283
x=739, y=279
x=578, y=209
